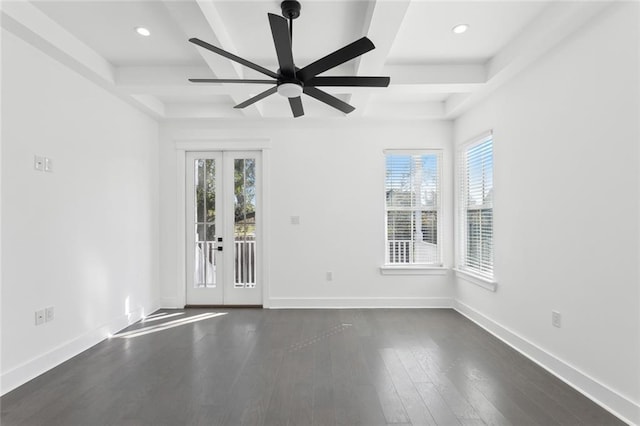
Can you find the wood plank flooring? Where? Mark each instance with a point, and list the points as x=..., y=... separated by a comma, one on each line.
x=301, y=367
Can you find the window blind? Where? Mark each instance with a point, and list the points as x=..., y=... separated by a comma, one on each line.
x=476, y=207
x=412, y=188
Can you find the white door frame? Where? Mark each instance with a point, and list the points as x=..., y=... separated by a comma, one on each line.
x=262, y=251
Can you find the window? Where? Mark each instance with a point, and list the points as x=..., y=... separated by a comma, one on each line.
x=412, y=187
x=475, y=207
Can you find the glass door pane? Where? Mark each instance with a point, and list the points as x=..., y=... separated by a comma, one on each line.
x=204, y=272
x=244, y=223
x=205, y=225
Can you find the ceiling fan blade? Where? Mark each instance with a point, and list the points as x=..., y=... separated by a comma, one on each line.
x=230, y=80
x=296, y=106
x=354, y=81
x=282, y=42
x=328, y=99
x=336, y=58
x=233, y=57
x=257, y=97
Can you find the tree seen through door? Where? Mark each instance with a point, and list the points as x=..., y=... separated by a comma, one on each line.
x=244, y=222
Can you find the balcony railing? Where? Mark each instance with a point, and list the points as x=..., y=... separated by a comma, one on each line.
x=244, y=264
x=408, y=251
x=400, y=251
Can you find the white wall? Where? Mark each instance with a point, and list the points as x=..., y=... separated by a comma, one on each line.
x=566, y=210
x=84, y=238
x=331, y=175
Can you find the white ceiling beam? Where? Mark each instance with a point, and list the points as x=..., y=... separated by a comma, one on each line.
x=383, y=22
x=375, y=110
x=200, y=110
x=406, y=110
x=456, y=102
x=217, y=25
x=246, y=90
x=456, y=78
x=557, y=21
x=27, y=22
x=472, y=74
x=154, y=76
x=152, y=103
x=210, y=28
x=191, y=90
x=451, y=74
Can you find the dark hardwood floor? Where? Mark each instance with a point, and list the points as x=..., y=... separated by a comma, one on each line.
x=301, y=367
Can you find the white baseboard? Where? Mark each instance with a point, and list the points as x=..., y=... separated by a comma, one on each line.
x=32, y=368
x=612, y=401
x=358, y=302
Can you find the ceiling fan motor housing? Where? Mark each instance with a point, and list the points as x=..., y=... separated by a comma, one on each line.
x=290, y=9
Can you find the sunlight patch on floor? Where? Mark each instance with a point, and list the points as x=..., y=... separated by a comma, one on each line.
x=168, y=325
x=164, y=316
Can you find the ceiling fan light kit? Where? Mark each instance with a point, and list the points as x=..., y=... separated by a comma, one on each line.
x=289, y=90
x=290, y=81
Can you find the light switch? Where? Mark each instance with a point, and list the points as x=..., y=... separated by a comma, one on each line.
x=295, y=220
x=48, y=165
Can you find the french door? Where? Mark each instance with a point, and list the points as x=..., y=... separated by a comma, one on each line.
x=223, y=195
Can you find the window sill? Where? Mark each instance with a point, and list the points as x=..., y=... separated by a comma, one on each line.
x=478, y=280
x=413, y=270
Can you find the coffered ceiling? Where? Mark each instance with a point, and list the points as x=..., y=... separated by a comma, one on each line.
x=435, y=73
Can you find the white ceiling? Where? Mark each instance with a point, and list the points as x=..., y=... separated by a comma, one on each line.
x=434, y=73
x=107, y=27
x=425, y=35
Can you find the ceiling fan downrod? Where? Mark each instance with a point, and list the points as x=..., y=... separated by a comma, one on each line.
x=290, y=10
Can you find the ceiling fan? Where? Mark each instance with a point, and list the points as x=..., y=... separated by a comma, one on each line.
x=291, y=81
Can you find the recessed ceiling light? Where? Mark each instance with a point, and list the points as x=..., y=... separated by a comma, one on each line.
x=143, y=31
x=460, y=28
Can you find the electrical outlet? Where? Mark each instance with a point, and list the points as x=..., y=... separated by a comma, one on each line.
x=329, y=276
x=38, y=163
x=295, y=220
x=556, y=319
x=40, y=317
x=49, y=314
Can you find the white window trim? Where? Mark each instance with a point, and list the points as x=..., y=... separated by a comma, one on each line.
x=419, y=268
x=413, y=269
x=460, y=270
x=479, y=280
